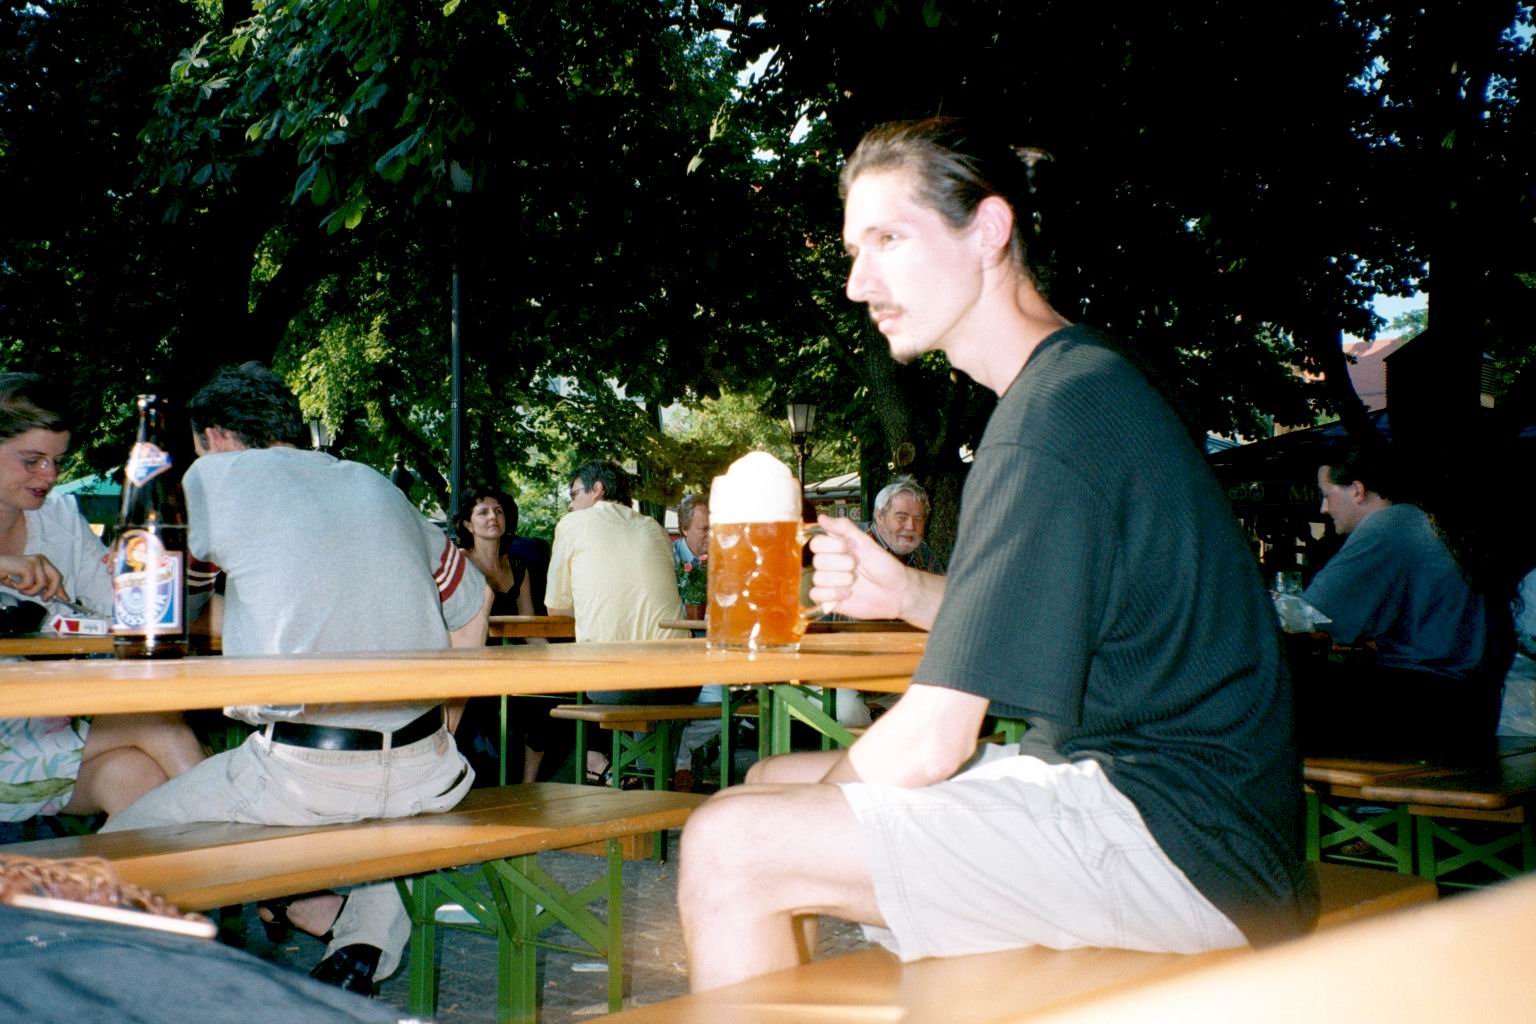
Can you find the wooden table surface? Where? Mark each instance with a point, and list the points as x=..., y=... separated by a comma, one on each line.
x=103, y=687
x=553, y=627
x=819, y=626
x=50, y=644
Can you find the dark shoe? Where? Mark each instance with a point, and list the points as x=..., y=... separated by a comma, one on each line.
x=350, y=967
x=279, y=927
x=682, y=781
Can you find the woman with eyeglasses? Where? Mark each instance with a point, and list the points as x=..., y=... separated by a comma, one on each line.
x=57, y=764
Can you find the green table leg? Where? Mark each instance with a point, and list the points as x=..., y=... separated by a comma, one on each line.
x=792, y=701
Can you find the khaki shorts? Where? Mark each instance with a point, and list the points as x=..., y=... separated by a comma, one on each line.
x=1016, y=852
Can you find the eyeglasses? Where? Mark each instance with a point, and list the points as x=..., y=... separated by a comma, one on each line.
x=32, y=462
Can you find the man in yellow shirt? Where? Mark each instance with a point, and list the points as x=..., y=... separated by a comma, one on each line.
x=611, y=568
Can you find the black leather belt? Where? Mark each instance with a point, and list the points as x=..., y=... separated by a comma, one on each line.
x=330, y=737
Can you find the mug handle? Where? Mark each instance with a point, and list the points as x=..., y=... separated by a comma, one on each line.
x=808, y=610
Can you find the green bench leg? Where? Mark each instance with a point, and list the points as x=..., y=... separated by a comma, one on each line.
x=1431, y=835
x=649, y=756
x=524, y=901
x=422, y=897
x=1398, y=850
x=727, y=711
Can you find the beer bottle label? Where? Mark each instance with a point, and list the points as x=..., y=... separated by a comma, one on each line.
x=146, y=585
x=145, y=462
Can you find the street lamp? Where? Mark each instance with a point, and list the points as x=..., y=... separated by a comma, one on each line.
x=802, y=420
x=319, y=435
x=402, y=477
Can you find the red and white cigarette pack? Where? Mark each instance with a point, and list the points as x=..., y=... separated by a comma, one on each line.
x=66, y=625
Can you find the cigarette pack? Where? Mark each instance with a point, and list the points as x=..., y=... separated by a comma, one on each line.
x=67, y=625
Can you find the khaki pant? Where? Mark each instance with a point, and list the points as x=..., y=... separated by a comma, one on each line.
x=266, y=783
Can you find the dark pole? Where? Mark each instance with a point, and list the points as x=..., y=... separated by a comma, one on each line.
x=456, y=369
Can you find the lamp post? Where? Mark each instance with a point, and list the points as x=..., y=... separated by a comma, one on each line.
x=802, y=420
x=463, y=183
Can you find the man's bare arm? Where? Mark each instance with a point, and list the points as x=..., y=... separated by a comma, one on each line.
x=472, y=633
x=924, y=739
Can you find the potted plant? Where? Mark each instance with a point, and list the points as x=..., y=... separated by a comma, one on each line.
x=693, y=585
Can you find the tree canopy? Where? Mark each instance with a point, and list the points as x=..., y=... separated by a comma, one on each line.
x=640, y=196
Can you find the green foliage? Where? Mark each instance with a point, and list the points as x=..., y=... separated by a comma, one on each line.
x=635, y=226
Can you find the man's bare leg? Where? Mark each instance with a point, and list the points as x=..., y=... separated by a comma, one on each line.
x=799, y=767
x=757, y=857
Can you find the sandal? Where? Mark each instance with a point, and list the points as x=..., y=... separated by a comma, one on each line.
x=280, y=927
x=602, y=778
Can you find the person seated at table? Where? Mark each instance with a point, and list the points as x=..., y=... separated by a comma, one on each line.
x=901, y=523
x=486, y=519
x=1099, y=588
x=57, y=764
x=299, y=581
x=611, y=568
x=690, y=554
x=1427, y=677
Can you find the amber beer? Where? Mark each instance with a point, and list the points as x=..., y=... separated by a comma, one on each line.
x=754, y=586
x=149, y=557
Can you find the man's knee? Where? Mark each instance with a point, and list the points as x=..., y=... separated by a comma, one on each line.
x=809, y=766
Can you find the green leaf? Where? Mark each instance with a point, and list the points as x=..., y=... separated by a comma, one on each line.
x=320, y=194
x=305, y=179
x=448, y=8
x=399, y=152
x=203, y=174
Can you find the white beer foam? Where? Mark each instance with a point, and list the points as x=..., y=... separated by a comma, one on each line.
x=758, y=488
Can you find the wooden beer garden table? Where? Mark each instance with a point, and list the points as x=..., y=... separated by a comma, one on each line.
x=869, y=661
x=550, y=627
x=820, y=626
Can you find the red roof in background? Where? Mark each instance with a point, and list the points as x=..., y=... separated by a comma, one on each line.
x=1368, y=373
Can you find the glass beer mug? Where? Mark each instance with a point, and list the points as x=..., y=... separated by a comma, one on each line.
x=755, y=543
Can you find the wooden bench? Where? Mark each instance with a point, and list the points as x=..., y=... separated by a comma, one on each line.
x=1411, y=801
x=1331, y=781
x=1016, y=985
x=495, y=832
x=1498, y=794
x=654, y=744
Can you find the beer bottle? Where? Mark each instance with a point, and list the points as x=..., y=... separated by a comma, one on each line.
x=149, y=558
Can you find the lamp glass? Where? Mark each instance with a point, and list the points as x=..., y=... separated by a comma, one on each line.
x=319, y=435
x=802, y=417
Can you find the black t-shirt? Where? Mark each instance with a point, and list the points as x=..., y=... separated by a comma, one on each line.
x=1100, y=588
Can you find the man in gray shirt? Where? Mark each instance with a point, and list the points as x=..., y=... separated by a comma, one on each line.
x=319, y=555
x=1425, y=680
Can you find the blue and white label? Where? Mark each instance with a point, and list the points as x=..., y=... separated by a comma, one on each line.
x=146, y=585
x=145, y=462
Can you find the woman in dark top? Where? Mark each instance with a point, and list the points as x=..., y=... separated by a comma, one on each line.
x=486, y=518
x=485, y=521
